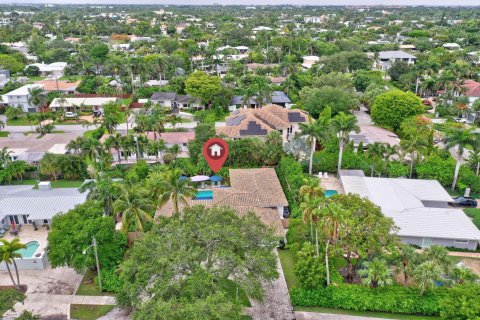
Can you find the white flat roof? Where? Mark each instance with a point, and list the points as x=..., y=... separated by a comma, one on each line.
x=58, y=148
x=23, y=91
x=70, y=102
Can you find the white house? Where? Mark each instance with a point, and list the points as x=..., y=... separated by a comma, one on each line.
x=452, y=46
x=20, y=98
x=56, y=69
x=419, y=208
x=310, y=19
x=71, y=104
x=387, y=58
x=309, y=61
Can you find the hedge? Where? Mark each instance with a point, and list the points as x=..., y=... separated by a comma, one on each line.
x=393, y=299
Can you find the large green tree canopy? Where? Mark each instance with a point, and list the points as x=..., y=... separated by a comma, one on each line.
x=393, y=107
x=200, y=84
x=177, y=271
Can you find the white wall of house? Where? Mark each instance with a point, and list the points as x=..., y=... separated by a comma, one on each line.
x=422, y=242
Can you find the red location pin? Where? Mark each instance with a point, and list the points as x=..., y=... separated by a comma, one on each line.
x=215, y=151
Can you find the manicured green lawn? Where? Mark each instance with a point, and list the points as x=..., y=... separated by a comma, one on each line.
x=88, y=312
x=288, y=259
x=383, y=315
x=473, y=213
x=18, y=122
x=71, y=78
x=24, y=182
x=36, y=78
x=8, y=298
x=4, y=134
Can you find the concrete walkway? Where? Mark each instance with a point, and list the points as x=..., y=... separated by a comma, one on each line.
x=303, y=315
x=55, y=305
x=276, y=303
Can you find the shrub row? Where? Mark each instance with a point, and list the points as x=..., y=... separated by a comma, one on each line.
x=393, y=299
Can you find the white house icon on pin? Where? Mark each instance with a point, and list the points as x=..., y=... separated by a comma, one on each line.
x=215, y=150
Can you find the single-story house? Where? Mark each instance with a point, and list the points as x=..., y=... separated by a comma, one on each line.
x=175, y=138
x=175, y=101
x=452, y=46
x=387, y=58
x=90, y=103
x=63, y=86
x=25, y=205
x=252, y=190
x=248, y=123
x=56, y=69
x=419, y=208
x=279, y=98
x=370, y=134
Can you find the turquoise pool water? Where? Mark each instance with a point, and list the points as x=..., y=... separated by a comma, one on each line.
x=29, y=251
x=329, y=193
x=204, y=195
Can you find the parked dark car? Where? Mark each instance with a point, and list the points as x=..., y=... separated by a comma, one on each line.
x=463, y=202
x=286, y=212
x=97, y=113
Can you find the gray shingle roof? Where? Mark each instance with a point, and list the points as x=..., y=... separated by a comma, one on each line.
x=399, y=54
x=38, y=204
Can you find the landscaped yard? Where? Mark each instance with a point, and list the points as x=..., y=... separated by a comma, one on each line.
x=22, y=121
x=88, y=312
x=88, y=286
x=474, y=213
x=55, y=183
x=288, y=260
x=383, y=315
x=4, y=134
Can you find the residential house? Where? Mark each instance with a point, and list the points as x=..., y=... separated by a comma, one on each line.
x=252, y=190
x=261, y=28
x=309, y=61
x=84, y=103
x=175, y=138
x=56, y=69
x=175, y=101
x=387, y=58
x=247, y=123
x=452, y=46
x=25, y=205
x=20, y=98
x=6, y=21
x=62, y=86
x=472, y=91
x=419, y=208
x=370, y=134
x=320, y=19
x=254, y=66
x=278, y=98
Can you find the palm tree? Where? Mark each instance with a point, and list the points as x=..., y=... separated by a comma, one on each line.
x=426, y=275
x=343, y=124
x=376, y=273
x=91, y=149
x=389, y=152
x=332, y=220
x=310, y=212
x=458, y=139
x=75, y=144
x=463, y=275
x=405, y=258
x=5, y=156
x=310, y=189
x=169, y=186
x=135, y=206
x=8, y=251
x=115, y=141
x=37, y=97
x=101, y=188
x=375, y=152
x=438, y=255
x=310, y=129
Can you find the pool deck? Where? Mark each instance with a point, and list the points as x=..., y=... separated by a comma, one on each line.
x=28, y=234
x=331, y=183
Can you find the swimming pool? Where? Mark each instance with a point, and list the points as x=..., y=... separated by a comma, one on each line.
x=204, y=195
x=29, y=251
x=329, y=193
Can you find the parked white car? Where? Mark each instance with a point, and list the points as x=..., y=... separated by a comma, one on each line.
x=69, y=114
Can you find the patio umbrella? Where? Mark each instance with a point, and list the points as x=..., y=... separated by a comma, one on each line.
x=215, y=178
x=199, y=178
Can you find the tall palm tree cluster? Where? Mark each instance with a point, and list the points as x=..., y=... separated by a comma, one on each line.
x=10, y=170
x=135, y=202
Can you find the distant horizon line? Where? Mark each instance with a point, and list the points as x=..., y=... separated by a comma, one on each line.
x=236, y=5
